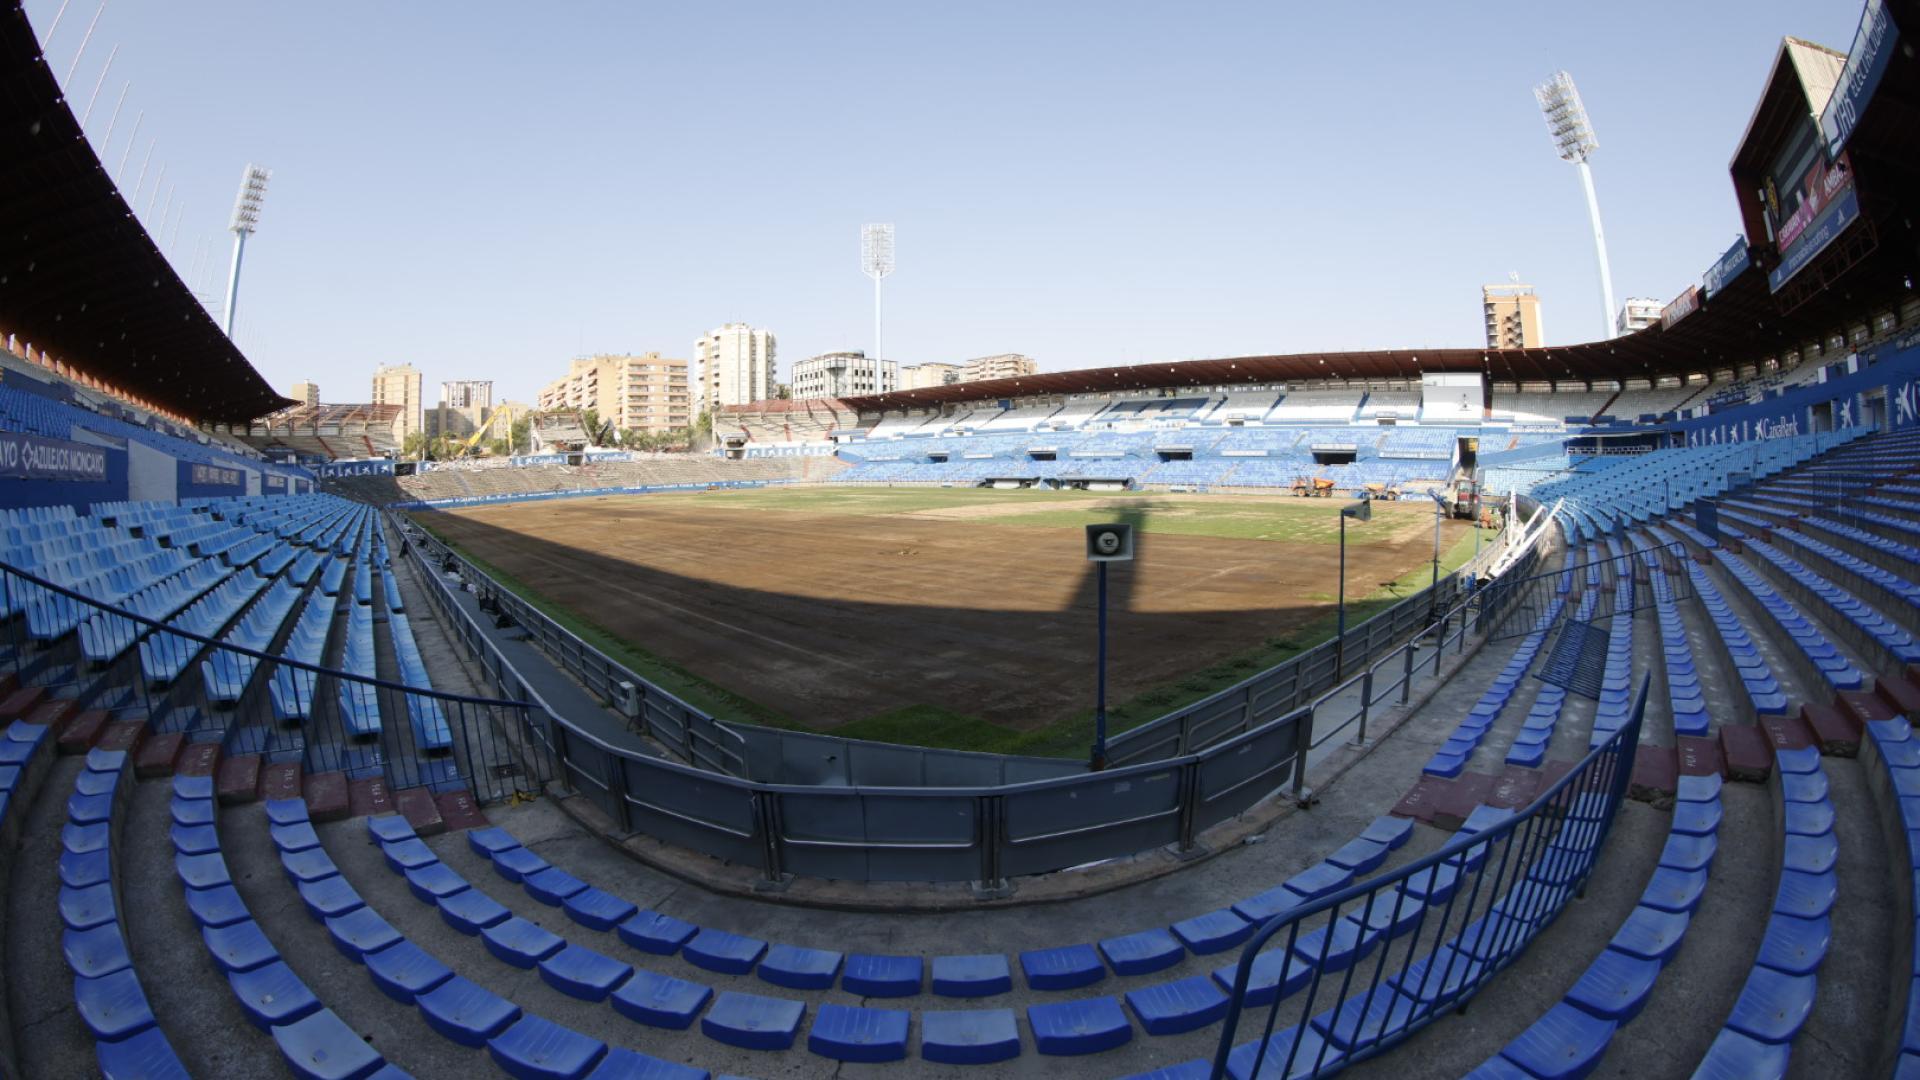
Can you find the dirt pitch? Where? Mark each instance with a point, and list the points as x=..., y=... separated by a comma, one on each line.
x=853, y=602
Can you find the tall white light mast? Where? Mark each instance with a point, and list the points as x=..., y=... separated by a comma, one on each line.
x=246, y=218
x=1573, y=137
x=876, y=261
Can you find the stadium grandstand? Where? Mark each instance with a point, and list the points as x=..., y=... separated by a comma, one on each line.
x=290, y=786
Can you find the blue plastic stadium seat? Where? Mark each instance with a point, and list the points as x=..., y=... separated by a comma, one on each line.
x=1674, y=890
x=1615, y=986
x=1683, y=852
x=853, y=1033
x=1063, y=968
x=726, y=953
x=361, y=931
x=285, y=811
x=1266, y=905
x=1734, y=1056
x=471, y=911
x=1323, y=878
x=1650, y=934
x=202, y=871
x=97, y=951
x=1146, y=951
x=753, y=1022
x=1794, y=945
x=408, y=854
x=537, y=1049
x=298, y=836
x=218, y=906
x=1087, y=1026
x=520, y=942
x=1696, y=818
x=660, y=1000
x=272, y=994
x=184, y=812
x=799, y=968
x=1180, y=1005
x=112, y=1005
x=624, y=1064
x=321, y=1046
x=598, y=910
x=662, y=935
x=1434, y=884
x=1276, y=972
x=145, y=1054
x=466, y=1013
x=971, y=976
x=404, y=971
x=79, y=869
x=1809, y=819
x=580, y=972
x=1811, y=854
x=552, y=886
x=94, y=837
x=1563, y=1044
x=978, y=1037
x=1302, y=1045
x=385, y=828
x=310, y=865
x=187, y=839
x=435, y=881
x=1808, y=896
x=1366, y=1015
x=1214, y=931
x=1439, y=976
x=1773, y=1005
x=328, y=896
x=490, y=841
x=516, y=863
x=1357, y=856
x=1349, y=942
x=239, y=947
x=871, y=975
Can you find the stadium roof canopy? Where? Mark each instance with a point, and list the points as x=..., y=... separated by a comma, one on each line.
x=79, y=275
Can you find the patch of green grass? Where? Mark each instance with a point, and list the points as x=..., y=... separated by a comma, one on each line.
x=931, y=725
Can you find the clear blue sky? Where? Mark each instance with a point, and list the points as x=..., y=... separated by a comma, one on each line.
x=486, y=189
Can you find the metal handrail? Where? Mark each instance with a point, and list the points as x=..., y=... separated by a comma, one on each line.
x=1603, y=771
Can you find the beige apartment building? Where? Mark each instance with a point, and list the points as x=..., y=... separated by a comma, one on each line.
x=306, y=393
x=736, y=365
x=1513, y=317
x=922, y=376
x=400, y=384
x=647, y=392
x=1002, y=366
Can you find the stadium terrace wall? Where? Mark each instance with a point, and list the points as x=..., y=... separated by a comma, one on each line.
x=542, y=496
x=1879, y=388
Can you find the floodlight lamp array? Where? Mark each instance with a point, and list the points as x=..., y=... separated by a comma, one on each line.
x=876, y=250
x=246, y=205
x=1566, y=115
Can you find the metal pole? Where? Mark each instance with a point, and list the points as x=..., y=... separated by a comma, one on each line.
x=1600, y=246
x=1433, y=585
x=876, y=332
x=233, y=281
x=1340, y=635
x=1099, y=761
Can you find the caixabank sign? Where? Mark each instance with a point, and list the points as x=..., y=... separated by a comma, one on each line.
x=1883, y=385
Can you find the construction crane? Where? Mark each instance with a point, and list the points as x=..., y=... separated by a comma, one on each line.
x=480, y=433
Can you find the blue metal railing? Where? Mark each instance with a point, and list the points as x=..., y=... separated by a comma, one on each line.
x=1357, y=971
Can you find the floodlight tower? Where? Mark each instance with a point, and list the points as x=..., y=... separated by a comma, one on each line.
x=246, y=218
x=1573, y=137
x=876, y=261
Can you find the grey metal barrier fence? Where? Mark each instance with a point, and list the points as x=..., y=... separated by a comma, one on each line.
x=1349, y=975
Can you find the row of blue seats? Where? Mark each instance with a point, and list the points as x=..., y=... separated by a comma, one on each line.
x=1615, y=707
x=51, y=615
x=106, y=989
x=1894, y=776
x=359, y=702
x=1777, y=997
x=291, y=689
x=1452, y=757
x=315, y=1042
x=1807, y=638
x=1842, y=605
x=1895, y=549
x=164, y=656
x=1685, y=696
x=424, y=714
x=1896, y=589
x=225, y=674
x=1757, y=682
x=105, y=635
x=1569, y=1039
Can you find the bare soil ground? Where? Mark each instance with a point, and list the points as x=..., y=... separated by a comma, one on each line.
x=827, y=617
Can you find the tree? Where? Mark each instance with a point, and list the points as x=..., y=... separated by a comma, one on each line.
x=414, y=446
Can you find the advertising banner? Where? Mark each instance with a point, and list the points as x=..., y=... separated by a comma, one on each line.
x=331, y=469
x=1815, y=236
x=1732, y=264
x=37, y=457
x=1680, y=307
x=1866, y=62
